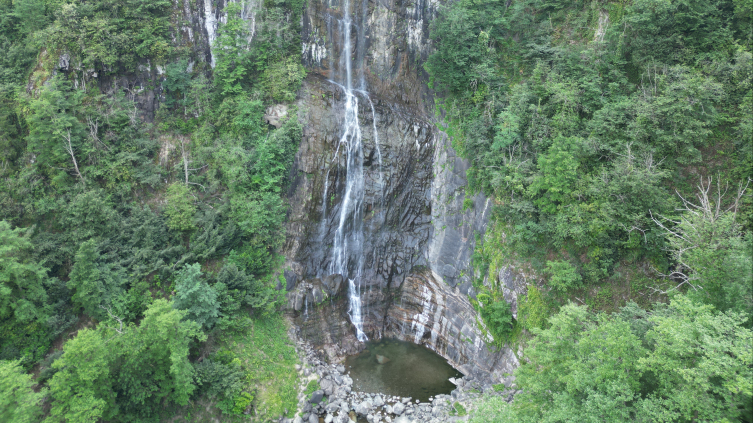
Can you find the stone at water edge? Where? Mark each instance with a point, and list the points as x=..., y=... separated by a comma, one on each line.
x=327, y=386
x=398, y=408
x=364, y=408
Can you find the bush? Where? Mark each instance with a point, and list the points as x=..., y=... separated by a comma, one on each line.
x=282, y=80
x=223, y=378
x=563, y=276
x=180, y=209
x=498, y=317
x=532, y=312
x=196, y=296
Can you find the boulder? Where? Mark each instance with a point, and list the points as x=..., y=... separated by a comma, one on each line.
x=298, y=301
x=328, y=386
x=398, y=408
x=364, y=408
x=333, y=284
x=275, y=115
x=317, y=294
x=316, y=397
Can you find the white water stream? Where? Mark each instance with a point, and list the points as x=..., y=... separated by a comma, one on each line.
x=348, y=241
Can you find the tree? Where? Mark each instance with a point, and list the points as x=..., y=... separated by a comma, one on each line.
x=22, y=282
x=125, y=373
x=713, y=256
x=231, y=51
x=195, y=296
x=563, y=275
x=180, y=208
x=82, y=388
x=94, y=284
x=701, y=364
x=497, y=315
x=18, y=401
x=558, y=173
x=677, y=363
x=56, y=135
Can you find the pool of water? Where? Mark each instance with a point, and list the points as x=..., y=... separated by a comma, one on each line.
x=401, y=368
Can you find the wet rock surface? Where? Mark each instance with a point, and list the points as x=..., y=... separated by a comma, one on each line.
x=431, y=313
x=419, y=223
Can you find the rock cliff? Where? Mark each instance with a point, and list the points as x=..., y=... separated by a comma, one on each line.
x=419, y=228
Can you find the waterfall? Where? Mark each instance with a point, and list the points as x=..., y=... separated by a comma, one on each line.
x=306, y=312
x=348, y=241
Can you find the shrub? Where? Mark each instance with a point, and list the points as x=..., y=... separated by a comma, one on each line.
x=532, y=312
x=563, y=276
x=498, y=317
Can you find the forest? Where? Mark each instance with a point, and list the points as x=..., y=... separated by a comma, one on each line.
x=140, y=265
x=136, y=281
x=620, y=161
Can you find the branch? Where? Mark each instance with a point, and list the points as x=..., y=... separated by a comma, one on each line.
x=112, y=316
x=195, y=183
x=69, y=148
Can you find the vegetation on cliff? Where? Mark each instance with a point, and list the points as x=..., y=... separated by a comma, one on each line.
x=138, y=248
x=616, y=138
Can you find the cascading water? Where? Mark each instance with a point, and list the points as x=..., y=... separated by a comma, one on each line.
x=348, y=241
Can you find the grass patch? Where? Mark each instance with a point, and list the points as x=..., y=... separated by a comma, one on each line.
x=312, y=387
x=269, y=358
x=458, y=410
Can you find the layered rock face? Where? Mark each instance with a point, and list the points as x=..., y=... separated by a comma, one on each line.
x=419, y=229
x=431, y=313
x=397, y=219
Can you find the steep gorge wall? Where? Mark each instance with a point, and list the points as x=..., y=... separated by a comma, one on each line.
x=419, y=233
x=418, y=236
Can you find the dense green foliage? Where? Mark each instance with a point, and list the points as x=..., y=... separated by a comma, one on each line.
x=125, y=372
x=497, y=315
x=678, y=363
x=580, y=136
x=584, y=120
x=138, y=233
x=613, y=137
x=18, y=401
x=196, y=296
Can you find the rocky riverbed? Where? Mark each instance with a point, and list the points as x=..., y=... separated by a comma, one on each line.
x=336, y=401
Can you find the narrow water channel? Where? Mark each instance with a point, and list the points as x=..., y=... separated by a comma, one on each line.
x=400, y=368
